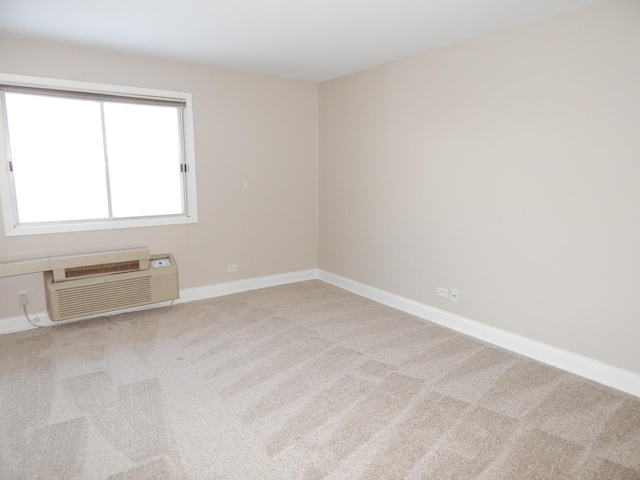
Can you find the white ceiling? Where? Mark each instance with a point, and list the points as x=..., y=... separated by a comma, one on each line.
x=312, y=40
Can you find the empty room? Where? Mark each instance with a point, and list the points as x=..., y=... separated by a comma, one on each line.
x=320, y=240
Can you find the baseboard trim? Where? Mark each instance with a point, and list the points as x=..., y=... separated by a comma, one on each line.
x=19, y=323
x=220, y=289
x=595, y=370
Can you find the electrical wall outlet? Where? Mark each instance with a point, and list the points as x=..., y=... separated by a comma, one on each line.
x=23, y=295
x=442, y=292
x=232, y=268
x=455, y=295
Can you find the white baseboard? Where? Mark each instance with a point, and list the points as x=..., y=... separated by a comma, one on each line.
x=611, y=376
x=220, y=289
x=19, y=323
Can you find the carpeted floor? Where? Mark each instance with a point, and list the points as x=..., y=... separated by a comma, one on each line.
x=302, y=381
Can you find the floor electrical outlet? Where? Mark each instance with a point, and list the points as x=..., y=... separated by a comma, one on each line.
x=442, y=292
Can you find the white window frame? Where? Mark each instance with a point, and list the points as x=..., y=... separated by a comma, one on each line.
x=8, y=214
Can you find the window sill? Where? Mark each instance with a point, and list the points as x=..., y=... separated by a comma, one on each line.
x=40, y=229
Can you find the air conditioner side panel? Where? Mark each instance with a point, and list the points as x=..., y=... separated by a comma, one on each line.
x=164, y=280
x=53, y=305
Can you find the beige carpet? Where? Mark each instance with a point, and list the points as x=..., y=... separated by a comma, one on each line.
x=302, y=381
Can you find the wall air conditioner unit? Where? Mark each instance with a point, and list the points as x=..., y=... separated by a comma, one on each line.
x=93, y=283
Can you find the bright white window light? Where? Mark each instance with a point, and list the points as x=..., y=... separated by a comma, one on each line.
x=83, y=156
x=57, y=158
x=143, y=139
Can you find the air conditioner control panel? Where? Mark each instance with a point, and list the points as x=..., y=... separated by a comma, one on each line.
x=160, y=262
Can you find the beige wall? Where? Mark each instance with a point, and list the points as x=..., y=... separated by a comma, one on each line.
x=247, y=128
x=508, y=167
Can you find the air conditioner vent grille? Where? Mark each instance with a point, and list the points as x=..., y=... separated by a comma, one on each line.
x=104, y=268
x=104, y=297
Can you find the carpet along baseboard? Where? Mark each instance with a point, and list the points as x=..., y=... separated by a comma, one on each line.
x=19, y=323
x=609, y=375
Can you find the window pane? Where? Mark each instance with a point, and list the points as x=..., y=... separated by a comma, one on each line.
x=58, y=158
x=144, y=152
